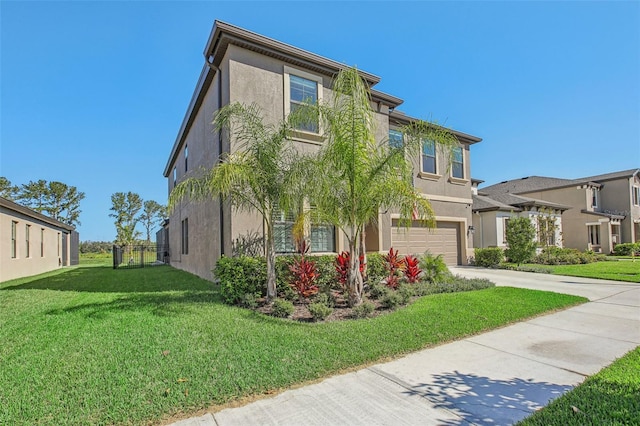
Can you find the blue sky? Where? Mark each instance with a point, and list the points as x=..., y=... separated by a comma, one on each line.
x=93, y=93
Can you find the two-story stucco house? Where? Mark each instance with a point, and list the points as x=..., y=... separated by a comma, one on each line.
x=33, y=243
x=242, y=66
x=605, y=209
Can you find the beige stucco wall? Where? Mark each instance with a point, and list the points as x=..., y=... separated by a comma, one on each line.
x=38, y=261
x=617, y=198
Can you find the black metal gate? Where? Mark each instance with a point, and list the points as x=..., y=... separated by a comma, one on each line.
x=140, y=255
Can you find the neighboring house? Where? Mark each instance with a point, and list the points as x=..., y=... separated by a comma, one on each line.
x=241, y=66
x=605, y=209
x=33, y=243
x=492, y=212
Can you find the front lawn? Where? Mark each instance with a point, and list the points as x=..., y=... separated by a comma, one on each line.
x=622, y=270
x=610, y=397
x=93, y=345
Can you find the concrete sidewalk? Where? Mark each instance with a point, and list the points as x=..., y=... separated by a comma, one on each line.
x=495, y=378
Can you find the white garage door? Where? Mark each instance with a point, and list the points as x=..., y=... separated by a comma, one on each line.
x=444, y=240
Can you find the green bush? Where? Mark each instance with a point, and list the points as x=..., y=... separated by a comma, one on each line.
x=378, y=290
x=375, y=268
x=520, y=234
x=239, y=276
x=526, y=268
x=363, y=310
x=249, y=300
x=433, y=267
x=325, y=299
x=282, y=308
x=391, y=300
x=319, y=311
x=626, y=249
x=488, y=257
x=565, y=256
x=406, y=292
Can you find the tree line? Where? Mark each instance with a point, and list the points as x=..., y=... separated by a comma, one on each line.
x=55, y=199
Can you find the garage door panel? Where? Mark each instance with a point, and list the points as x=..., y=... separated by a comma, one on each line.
x=444, y=239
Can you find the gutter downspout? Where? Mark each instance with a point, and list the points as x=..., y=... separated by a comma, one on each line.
x=208, y=61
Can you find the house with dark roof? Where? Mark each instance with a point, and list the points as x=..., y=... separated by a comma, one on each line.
x=242, y=66
x=604, y=209
x=492, y=212
x=33, y=243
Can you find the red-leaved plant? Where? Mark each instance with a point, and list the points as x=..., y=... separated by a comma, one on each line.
x=342, y=267
x=305, y=273
x=393, y=265
x=411, y=269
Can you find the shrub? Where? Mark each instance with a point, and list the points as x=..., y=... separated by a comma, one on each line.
x=342, y=266
x=282, y=308
x=406, y=292
x=375, y=268
x=488, y=257
x=565, y=256
x=249, y=301
x=363, y=310
x=239, y=276
x=393, y=265
x=391, y=300
x=520, y=235
x=324, y=299
x=319, y=311
x=411, y=269
x=304, y=273
x=433, y=267
x=378, y=290
x=627, y=249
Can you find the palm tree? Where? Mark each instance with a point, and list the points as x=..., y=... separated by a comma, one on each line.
x=355, y=177
x=260, y=176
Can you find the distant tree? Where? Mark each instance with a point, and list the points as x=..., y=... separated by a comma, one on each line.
x=125, y=207
x=62, y=202
x=7, y=190
x=153, y=214
x=521, y=245
x=34, y=195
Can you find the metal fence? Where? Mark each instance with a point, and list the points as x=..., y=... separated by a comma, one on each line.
x=140, y=255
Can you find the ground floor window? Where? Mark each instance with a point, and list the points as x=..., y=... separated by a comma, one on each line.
x=322, y=237
x=594, y=235
x=14, y=247
x=184, y=240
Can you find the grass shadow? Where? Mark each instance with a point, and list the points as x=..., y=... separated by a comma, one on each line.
x=104, y=279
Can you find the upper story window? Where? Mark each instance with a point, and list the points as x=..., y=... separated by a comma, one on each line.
x=395, y=139
x=594, y=197
x=428, y=156
x=636, y=196
x=175, y=176
x=41, y=242
x=186, y=158
x=301, y=88
x=457, y=163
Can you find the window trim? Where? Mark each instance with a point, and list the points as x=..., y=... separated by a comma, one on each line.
x=453, y=161
x=595, y=198
x=302, y=135
x=635, y=195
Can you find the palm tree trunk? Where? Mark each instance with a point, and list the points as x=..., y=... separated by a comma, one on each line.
x=271, y=263
x=354, y=277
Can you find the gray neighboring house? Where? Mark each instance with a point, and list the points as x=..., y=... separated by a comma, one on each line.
x=242, y=66
x=33, y=243
x=492, y=212
x=604, y=209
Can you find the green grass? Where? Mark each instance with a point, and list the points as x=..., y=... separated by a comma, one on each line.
x=622, y=270
x=610, y=397
x=619, y=271
x=93, y=345
x=104, y=259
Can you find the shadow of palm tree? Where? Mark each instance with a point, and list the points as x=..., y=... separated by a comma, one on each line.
x=482, y=400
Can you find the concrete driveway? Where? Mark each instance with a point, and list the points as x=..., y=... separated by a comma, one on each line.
x=495, y=378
